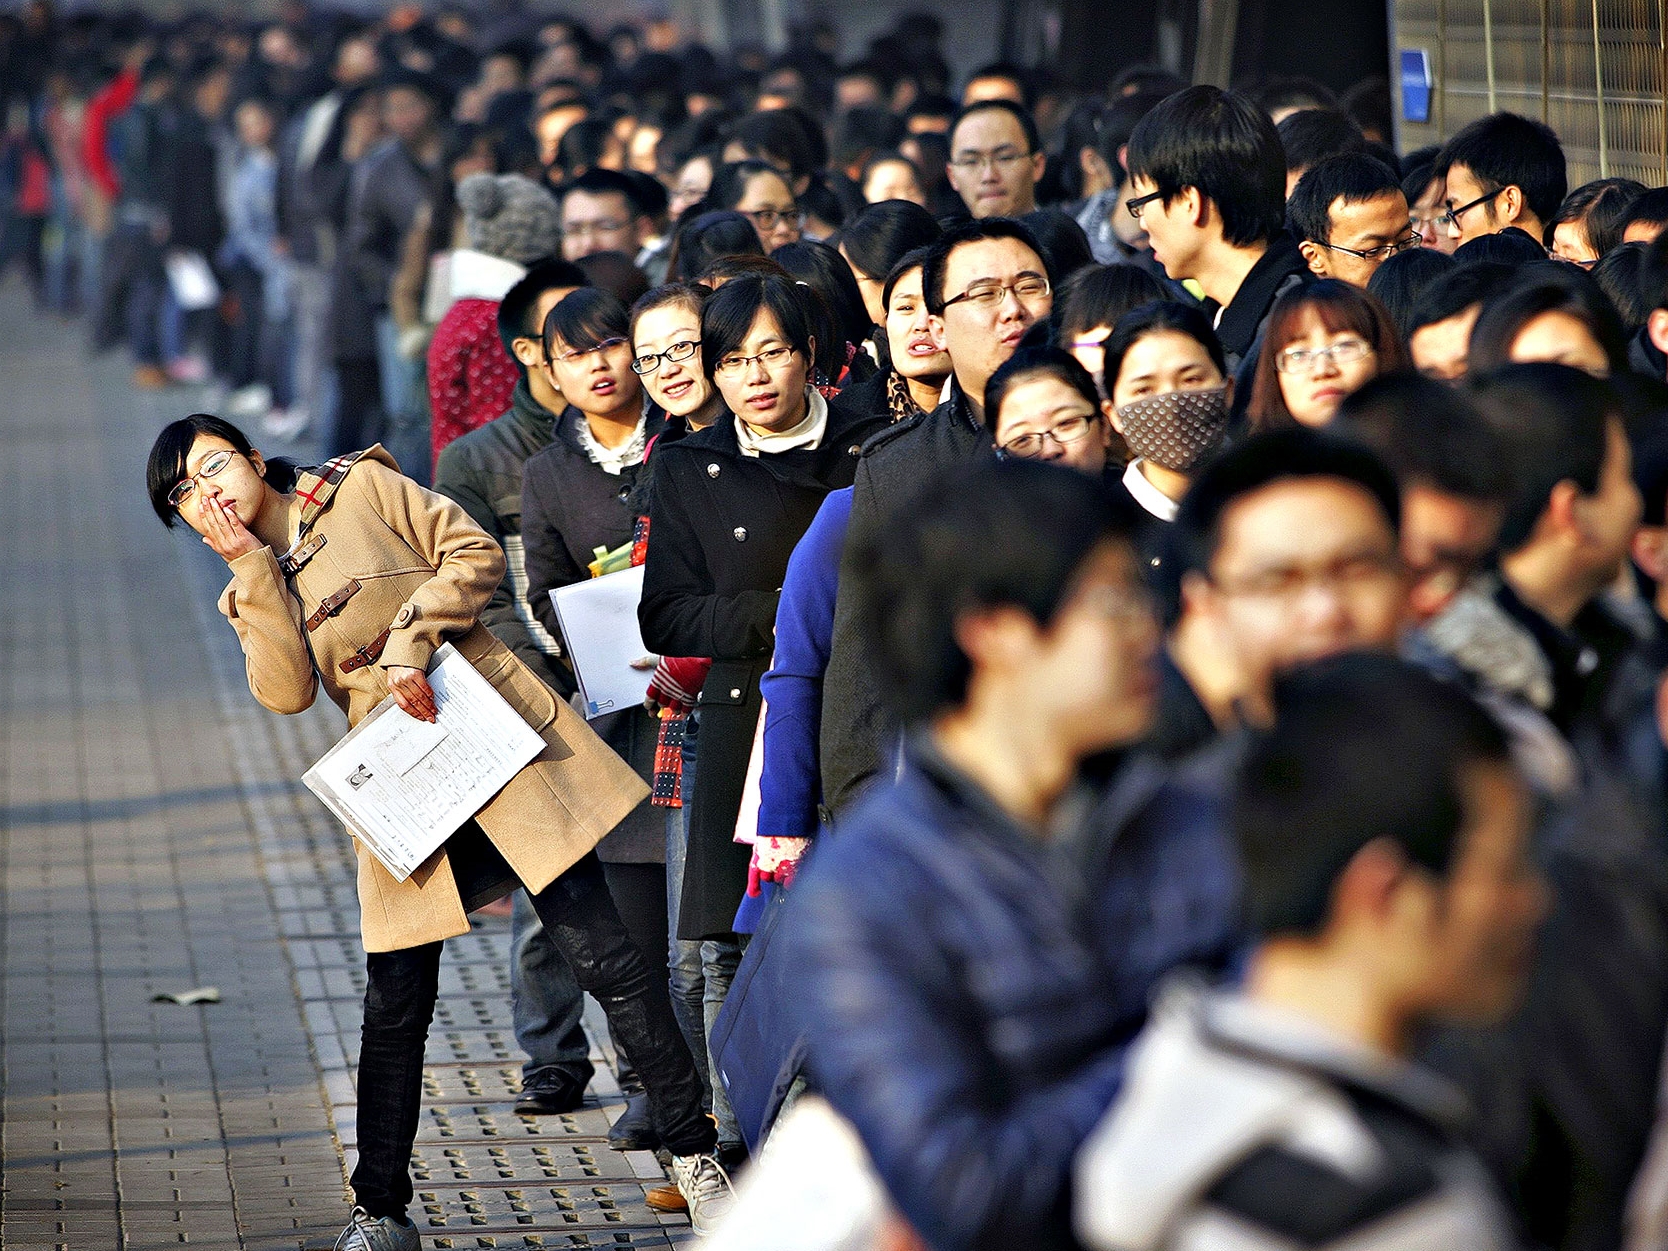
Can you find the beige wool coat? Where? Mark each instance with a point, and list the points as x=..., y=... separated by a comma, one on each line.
x=400, y=559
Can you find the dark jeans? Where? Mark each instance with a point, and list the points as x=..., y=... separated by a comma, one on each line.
x=578, y=912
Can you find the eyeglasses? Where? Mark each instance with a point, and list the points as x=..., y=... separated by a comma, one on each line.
x=771, y=358
x=1382, y=252
x=1065, y=432
x=606, y=226
x=1299, y=360
x=607, y=345
x=210, y=467
x=1452, y=216
x=1344, y=576
x=1140, y=202
x=1004, y=158
x=651, y=361
x=989, y=294
x=770, y=219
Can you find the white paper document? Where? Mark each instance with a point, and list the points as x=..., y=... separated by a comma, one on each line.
x=404, y=786
x=599, y=625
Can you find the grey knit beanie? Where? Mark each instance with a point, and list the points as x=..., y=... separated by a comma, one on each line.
x=509, y=216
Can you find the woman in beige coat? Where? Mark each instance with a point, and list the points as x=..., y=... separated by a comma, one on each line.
x=349, y=577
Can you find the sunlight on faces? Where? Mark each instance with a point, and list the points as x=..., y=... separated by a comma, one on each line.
x=1313, y=391
x=771, y=193
x=552, y=126
x=1002, y=182
x=1043, y=404
x=1166, y=360
x=1474, y=223
x=593, y=223
x=979, y=339
x=598, y=382
x=1560, y=338
x=1425, y=216
x=1306, y=568
x=915, y=352
x=1172, y=229
x=680, y=387
x=1569, y=243
x=767, y=397
x=1362, y=227
x=893, y=180
x=1442, y=349
x=239, y=486
x=693, y=182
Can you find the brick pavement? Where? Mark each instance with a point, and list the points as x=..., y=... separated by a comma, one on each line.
x=154, y=837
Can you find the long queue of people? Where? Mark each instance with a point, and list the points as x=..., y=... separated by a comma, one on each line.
x=1156, y=736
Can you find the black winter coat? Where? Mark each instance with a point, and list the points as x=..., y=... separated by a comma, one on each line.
x=854, y=726
x=569, y=507
x=723, y=527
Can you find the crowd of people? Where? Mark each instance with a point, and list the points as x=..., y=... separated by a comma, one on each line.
x=1158, y=603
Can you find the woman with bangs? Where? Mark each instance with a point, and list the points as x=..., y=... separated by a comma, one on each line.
x=576, y=500
x=730, y=504
x=1323, y=342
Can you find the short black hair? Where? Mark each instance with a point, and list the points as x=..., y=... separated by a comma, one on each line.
x=1294, y=91
x=598, y=181
x=1262, y=460
x=1065, y=244
x=1353, y=178
x=1512, y=246
x=1225, y=146
x=1554, y=422
x=1653, y=270
x=1650, y=207
x=707, y=237
x=1311, y=136
x=1027, y=123
x=1429, y=434
x=1601, y=207
x=787, y=134
x=975, y=536
x=1118, y=122
x=1364, y=747
x=1013, y=73
x=825, y=272
x=938, y=254
x=864, y=131
x=727, y=318
x=1031, y=362
x=1402, y=280
x=729, y=182
x=1506, y=150
x=1100, y=295
x=515, y=310
x=876, y=237
x=165, y=466
x=585, y=318
x=1621, y=274
x=915, y=258
x=1456, y=291
x=1545, y=288
x=1159, y=317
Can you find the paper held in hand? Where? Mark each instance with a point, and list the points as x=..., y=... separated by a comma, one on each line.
x=404, y=786
x=599, y=626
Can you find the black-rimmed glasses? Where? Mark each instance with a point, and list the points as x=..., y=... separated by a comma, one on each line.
x=651, y=361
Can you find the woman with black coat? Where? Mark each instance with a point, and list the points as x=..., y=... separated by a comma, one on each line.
x=730, y=504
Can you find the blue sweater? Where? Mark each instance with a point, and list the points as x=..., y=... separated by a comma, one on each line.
x=791, y=789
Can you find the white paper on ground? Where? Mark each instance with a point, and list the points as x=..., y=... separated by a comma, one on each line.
x=403, y=786
x=599, y=628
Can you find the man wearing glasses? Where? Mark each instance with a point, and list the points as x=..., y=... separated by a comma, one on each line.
x=1501, y=171
x=1350, y=216
x=1207, y=178
x=996, y=159
x=600, y=213
x=985, y=284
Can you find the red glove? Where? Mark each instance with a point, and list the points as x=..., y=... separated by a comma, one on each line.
x=775, y=859
x=677, y=682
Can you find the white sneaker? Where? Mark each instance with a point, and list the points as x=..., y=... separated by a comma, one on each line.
x=250, y=401
x=285, y=425
x=705, y=1186
x=391, y=1233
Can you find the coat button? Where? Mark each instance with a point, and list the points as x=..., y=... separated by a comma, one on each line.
x=712, y=471
x=856, y=449
x=741, y=534
x=735, y=692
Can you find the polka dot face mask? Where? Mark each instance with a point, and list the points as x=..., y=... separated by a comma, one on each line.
x=1176, y=429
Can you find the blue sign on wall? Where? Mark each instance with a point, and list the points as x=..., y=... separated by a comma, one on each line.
x=1416, y=85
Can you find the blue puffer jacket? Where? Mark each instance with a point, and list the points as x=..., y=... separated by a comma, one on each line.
x=974, y=988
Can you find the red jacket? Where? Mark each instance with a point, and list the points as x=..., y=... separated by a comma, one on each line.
x=471, y=378
x=108, y=104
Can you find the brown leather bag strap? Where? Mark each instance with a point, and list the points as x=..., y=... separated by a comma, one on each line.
x=332, y=604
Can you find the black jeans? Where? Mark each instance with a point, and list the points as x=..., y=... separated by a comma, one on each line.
x=578, y=912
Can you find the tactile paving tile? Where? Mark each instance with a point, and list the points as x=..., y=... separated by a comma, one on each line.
x=519, y=1206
